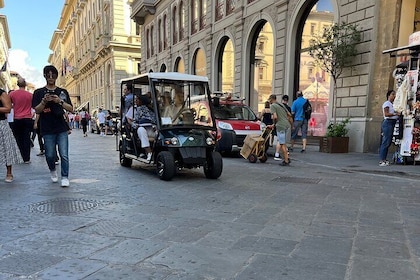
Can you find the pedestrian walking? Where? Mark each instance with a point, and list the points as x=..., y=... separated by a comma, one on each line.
x=282, y=124
x=22, y=118
x=77, y=120
x=84, y=120
x=39, y=136
x=9, y=150
x=51, y=102
x=300, y=123
x=101, y=119
x=387, y=126
x=266, y=118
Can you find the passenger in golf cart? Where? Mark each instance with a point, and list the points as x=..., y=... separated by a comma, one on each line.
x=181, y=134
x=141, y=121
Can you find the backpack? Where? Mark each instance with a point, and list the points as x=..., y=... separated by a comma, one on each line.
x=307, y=110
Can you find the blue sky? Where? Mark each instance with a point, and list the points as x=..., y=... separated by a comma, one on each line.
x=31, y=26
x=324, y=5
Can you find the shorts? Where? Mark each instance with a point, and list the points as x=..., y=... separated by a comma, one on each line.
x=303, y=125
x=281, y=137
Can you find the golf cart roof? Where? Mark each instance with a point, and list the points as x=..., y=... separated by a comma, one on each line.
x=144, y=78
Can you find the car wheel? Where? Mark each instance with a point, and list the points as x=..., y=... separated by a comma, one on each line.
x=126, y=162
x=252, y=158
x=263, y=158
x=165, y=165
x=214, y=166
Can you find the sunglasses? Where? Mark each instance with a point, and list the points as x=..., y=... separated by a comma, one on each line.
x=51, y=75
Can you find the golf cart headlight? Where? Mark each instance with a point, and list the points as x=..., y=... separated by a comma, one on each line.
x=174, y=141
x=209, y=141
x=224, y=125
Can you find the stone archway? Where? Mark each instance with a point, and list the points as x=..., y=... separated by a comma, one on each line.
x=260, y=64
x=225, y=65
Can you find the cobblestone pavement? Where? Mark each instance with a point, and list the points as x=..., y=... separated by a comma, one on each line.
x=327, y=216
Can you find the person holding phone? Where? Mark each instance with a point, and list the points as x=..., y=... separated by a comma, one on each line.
x=51, y=103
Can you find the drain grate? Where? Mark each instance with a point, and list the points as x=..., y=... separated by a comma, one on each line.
x=297, y=180
x=65, y=206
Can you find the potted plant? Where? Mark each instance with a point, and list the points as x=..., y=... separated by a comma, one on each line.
x=336, y=139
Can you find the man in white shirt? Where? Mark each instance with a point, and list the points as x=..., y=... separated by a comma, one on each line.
x=101, y=120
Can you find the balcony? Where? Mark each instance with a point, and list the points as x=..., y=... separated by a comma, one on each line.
x=142, y=8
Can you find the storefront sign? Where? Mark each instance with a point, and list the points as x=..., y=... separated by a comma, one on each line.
x=414, y=39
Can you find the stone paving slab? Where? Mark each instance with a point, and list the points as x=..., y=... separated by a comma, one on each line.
x=327, y=216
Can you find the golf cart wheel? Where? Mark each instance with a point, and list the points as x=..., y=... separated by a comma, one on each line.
x=263, y=158
x=126, y=162
x=165, y=166
x=252, y=158
x=214, y=166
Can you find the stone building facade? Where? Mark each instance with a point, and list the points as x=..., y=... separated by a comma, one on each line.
x=192, y=28
x=96, y=44
x=5, y=44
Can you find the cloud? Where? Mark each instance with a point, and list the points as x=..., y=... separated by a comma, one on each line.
x=19, y=62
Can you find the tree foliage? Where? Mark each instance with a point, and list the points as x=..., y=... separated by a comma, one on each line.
x=334, y=50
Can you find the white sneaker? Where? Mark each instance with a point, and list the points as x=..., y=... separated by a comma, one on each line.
x=149, y=156
x=277, y=158
x=383, y=163
x=54, y=176
x=65, y=182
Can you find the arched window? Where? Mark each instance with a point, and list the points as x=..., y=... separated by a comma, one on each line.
x=165, y=40
x=219, y=9
x=194, y=16
x=203, y=12
x=148, y=43
x=152, y=45
x=159, y=35
x=174, y=26
x=181, y=21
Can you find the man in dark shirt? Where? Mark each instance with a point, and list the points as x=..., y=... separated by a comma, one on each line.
x=51, y=103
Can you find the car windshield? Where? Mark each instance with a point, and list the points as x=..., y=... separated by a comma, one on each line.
x=234, y=112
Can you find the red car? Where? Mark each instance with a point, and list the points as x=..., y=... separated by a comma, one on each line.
x=234, y=121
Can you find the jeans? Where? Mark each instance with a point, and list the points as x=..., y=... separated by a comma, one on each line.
x=62, y=141
x=387, y=132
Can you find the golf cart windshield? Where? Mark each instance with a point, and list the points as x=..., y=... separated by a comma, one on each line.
x=177, y=99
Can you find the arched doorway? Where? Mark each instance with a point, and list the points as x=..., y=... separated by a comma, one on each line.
x=225, y=65
x=199, y=61
x=310, y=78
x=261, y=65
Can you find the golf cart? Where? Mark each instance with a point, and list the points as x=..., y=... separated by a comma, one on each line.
x=178, y=139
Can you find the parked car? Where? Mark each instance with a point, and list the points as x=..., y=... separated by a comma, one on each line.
x=234, y=121
x=177, y=138
x=94, y=122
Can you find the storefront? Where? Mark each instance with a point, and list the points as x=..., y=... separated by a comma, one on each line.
x=407, y=101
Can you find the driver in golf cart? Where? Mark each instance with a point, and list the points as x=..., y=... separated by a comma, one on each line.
x=142, y=120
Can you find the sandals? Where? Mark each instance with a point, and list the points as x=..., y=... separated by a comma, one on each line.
x=9, y=178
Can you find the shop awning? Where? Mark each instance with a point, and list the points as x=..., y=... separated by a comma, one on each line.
x=393, y=52
x=81, y=106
